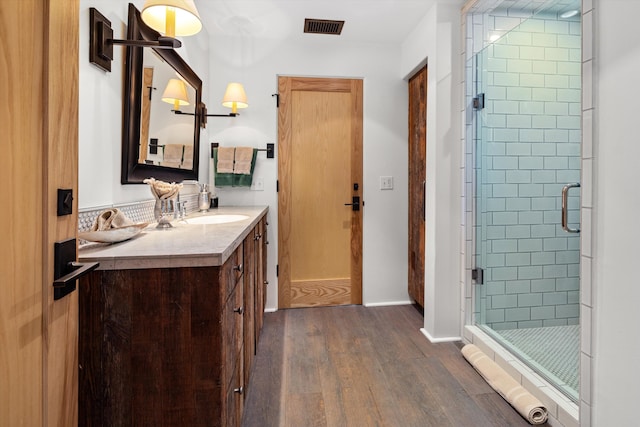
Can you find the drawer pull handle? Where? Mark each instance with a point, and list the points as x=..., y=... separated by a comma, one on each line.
x=239, y=310
x=238, y=267
x=239, y=390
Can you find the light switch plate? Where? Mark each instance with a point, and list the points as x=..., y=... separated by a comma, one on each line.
x=257, y=184
x=386, y=183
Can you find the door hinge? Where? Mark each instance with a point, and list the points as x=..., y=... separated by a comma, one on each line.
x=477, y=274
x=478, y=102
x=277, y=185
x=277, y=95
x=277, y=270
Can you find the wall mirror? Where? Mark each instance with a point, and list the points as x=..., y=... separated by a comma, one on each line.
x=156, y=142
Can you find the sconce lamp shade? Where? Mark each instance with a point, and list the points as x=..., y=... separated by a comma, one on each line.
x=176, y=93
x=172, y=17
x=234, y=97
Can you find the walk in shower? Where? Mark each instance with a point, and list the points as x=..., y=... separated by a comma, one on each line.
x=524, y=100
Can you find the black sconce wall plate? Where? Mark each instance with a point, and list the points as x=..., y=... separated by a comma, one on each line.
x=100, y=51
x=101, y=41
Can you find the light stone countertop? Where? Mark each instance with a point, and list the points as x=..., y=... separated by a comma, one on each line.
x=184, y=245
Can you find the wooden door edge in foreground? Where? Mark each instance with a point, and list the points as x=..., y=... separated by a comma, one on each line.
x=285, y=86
x=38, y=337
x=61, y=171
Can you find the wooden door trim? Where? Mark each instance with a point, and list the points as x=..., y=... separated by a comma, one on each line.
x=285, y=86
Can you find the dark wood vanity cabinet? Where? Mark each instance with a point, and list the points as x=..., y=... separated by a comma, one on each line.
x=170, y=346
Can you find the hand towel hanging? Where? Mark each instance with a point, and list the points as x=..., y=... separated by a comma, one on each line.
x=225, y=159
x=243, y=158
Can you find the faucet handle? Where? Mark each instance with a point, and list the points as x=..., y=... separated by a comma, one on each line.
x=181, y=210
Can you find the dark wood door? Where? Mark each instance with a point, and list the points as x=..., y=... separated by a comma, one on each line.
x=417, y=181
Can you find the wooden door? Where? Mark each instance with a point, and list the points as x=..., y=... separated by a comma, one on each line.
x=417, y=181
x=38, y=337
x=320, y=175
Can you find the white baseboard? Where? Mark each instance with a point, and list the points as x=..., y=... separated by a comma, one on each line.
x=373, y=304
x=388, y=303
x=437, y=340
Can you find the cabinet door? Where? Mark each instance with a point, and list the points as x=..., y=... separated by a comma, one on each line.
x=250, y=302
x=232, y=326
x=261, y=276
x=234, y=399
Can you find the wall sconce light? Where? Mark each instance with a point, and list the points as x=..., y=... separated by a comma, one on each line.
x=180, y=19
x=234, y=98
x=172, y=17
x=176, y=93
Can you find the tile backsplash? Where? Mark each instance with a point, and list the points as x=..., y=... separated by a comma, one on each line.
x=137, y=211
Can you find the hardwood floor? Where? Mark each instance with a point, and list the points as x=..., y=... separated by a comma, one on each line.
x=357, y=366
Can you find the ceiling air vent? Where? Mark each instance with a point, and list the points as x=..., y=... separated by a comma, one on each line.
x=323, y=26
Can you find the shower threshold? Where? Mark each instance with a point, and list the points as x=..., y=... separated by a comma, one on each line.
x=561, y=404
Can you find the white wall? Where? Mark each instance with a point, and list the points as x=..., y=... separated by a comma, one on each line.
x=256, y=62
x=434, y=41
x=616, y=152
x=100, y=105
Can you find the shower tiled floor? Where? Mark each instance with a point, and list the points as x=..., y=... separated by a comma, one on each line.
x=553, y=350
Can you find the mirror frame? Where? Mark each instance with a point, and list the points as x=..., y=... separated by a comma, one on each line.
x=133, y=172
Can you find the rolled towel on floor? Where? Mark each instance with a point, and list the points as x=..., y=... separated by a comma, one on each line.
x=524, y=402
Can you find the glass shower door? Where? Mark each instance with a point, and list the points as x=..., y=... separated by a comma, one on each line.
x=527, y=149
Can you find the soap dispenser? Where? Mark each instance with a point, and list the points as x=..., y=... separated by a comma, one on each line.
x=204, y=198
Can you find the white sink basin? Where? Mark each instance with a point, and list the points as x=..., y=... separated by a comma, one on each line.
x=216, y=219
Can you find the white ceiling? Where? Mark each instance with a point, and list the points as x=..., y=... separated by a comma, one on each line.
x=365, y=20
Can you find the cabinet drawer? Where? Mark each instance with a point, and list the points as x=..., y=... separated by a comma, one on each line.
x=232, y=271
x=232, y=330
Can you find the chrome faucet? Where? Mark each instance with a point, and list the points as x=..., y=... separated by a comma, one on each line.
x=181, y=209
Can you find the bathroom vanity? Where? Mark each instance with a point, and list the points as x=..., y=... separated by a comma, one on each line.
x=170, y=322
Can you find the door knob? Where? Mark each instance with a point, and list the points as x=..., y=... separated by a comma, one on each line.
x=355, y=204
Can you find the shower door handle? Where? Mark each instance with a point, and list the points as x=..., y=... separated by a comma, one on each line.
x=565, y=208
